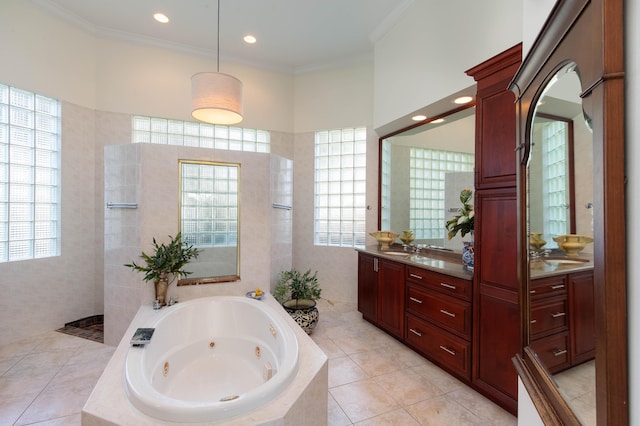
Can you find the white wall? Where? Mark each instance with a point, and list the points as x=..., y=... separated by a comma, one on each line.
x=632, y=156
x=42, y=54
x=425, y=55
x=138, y=79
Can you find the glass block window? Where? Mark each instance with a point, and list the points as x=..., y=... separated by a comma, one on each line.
x=555, y=183
x=29, y=175
x=427, y=168
x=340, y=187
x=209, y=204
x=203, y=135
x=385, y=186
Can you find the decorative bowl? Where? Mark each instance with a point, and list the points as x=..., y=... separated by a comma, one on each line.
x=384, y=238
x=407, y=237
x=572, y=244
x=535, y=241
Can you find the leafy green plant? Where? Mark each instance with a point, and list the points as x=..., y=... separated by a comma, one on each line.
x=294, y=284
x=169, y=258
x=464, y=220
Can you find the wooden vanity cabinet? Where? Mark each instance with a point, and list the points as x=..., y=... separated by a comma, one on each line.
x=391, y=292
x=562, y=320
x=582, y=317
x=368, y=286
x=439, y=319
x=381, y=293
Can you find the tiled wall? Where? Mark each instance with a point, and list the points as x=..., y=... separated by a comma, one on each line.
x=148, y=175
x=281, y=217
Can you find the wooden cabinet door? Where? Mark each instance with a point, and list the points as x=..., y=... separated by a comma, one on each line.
x=582, y=322
x=368, y=286
x=391, y=297
x=496, y=120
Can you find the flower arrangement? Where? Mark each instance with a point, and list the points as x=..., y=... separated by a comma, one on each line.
x=463, y=221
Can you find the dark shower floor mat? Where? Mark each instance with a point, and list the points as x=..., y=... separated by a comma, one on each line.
x=91, y=328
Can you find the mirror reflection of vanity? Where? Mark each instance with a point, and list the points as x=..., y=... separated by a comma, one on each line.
x=413, y=195
x=574, y=45
x=209, y=218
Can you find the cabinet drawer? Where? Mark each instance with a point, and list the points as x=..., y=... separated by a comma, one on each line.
x=452, y=314
x=549, y=316
x=553, y=351
x=440, y=282
x=439, y=346
x=548, y=287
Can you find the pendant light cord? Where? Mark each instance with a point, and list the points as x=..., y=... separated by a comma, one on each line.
x=218, y=48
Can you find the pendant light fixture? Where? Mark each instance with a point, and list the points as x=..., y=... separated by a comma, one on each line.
x=216, y=98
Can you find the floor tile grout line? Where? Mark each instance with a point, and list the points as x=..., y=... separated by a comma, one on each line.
x=42, y=390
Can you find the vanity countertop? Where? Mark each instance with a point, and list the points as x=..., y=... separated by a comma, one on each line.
x=443, y=262
x=558, y=265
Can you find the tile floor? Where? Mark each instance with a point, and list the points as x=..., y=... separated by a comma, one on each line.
x=373, y=379
x=47, y=379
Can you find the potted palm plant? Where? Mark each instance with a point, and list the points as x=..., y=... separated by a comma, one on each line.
x=166, y=260
x=297, y=292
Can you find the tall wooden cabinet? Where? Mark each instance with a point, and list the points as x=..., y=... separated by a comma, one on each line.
x=496, y=303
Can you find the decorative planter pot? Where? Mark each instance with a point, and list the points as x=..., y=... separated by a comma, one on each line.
x=467, y=255
x=161, y=289
x=303, y=312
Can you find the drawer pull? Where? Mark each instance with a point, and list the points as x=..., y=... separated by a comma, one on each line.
x=416, y=332
x=415, y=276
x=532, y=292
x=558, y=314
x=449, y=286
x=452, y=315
x=557, y=287
x=449, y=351
x=559, y=352
x=413, y=299
x=534, y=321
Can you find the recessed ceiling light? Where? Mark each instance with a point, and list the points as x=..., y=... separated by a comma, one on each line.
x=438, y=121
x=462, y=100
x=419, y=117
x=160, y=17
x=249, y=39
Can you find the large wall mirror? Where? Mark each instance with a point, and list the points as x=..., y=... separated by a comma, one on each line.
x=570, y=97
x=209, y=219
x=423, y=170
x=560, y=203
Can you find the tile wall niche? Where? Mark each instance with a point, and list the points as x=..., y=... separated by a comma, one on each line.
x=148, y=175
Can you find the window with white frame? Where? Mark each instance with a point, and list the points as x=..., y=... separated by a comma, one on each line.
x=340, y=187
x=427, y=168
x=193, y=133
x=29, y=175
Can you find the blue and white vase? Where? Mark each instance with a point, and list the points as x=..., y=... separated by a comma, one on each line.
x=467, y=255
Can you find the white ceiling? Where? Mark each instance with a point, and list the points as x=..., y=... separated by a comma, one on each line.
x=293, y=35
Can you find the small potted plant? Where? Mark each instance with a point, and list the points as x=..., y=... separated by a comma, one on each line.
x=464, y=222
x=166, y=259
x=297, y=292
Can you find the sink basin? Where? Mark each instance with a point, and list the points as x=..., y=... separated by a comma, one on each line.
x=564, y=261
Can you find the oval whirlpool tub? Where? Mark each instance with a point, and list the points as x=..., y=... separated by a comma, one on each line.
x=210, y=359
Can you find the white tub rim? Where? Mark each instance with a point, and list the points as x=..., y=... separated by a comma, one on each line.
x=152, y=402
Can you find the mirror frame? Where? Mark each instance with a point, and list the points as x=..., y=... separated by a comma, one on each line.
x=405, y=129
x=575, y=30
x=218, y=278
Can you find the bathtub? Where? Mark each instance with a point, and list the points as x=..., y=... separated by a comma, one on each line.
x=210, y=359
